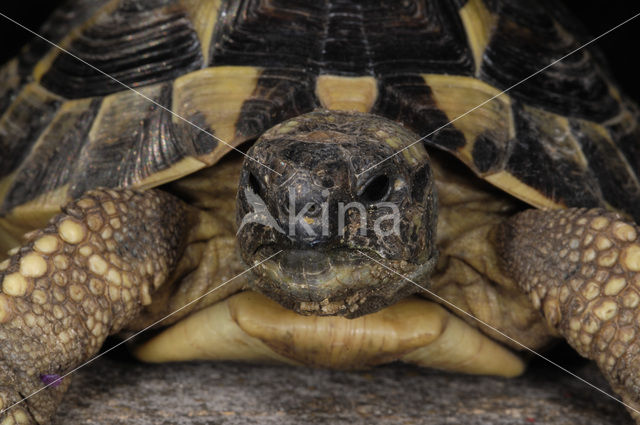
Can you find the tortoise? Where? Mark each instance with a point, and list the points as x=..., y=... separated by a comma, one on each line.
x=338, y=185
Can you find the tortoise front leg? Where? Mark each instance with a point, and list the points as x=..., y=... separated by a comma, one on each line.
x=581, y=269
x=76, y=281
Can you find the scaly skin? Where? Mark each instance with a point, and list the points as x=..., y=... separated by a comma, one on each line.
x=93, y=268
x=75, y=282
x=580, y=268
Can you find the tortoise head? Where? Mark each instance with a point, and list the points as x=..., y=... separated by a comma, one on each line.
x=322, y=194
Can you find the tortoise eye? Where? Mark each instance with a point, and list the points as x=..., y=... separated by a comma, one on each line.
x=376, y=189
x=327, y=182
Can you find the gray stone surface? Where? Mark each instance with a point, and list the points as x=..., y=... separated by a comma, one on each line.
x=118, y=391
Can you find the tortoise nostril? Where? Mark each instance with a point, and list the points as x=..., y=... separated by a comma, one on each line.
x=313, y=209
x=376, y=189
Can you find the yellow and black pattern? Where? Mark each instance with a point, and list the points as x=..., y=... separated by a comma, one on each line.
x=30, y=113
x=344, y=37
x=137, y=135
x=62, y=21
x=527, y=37
x=48, y=162
x=135, y=44
x=235, y=69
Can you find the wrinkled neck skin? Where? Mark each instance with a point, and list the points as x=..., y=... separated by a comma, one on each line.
x=342, y=219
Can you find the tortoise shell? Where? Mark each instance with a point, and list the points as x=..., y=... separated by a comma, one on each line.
x=177, y=84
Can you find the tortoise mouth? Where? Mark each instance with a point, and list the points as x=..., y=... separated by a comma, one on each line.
x=340, y=281
x=312, y=266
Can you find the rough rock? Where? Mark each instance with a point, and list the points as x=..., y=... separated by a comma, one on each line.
x=117, y=390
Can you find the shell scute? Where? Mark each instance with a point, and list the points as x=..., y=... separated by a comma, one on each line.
x=566, y=137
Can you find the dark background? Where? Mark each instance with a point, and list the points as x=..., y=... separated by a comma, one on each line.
x=621, y=47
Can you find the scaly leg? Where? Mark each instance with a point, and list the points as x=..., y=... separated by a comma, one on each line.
x=75, y=282
x=581, y=269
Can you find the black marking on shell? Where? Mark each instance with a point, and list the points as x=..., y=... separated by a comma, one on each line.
x=146, y=142
x=626, y=134
x=64, y=18
x=9, y=84
x=240, y=37
x=136, y=45
x=525, y=40
x=555, y=175
x=407, y=99
x=279, y=94
x=629, y=145
x=345, y=49
x=418, y=36
x=618, y=182
x=142, y=5
x=202, y=142
x=460, y=3
x=49, y=165
x=343, y=38
x=485, y=153
x=23, y=123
